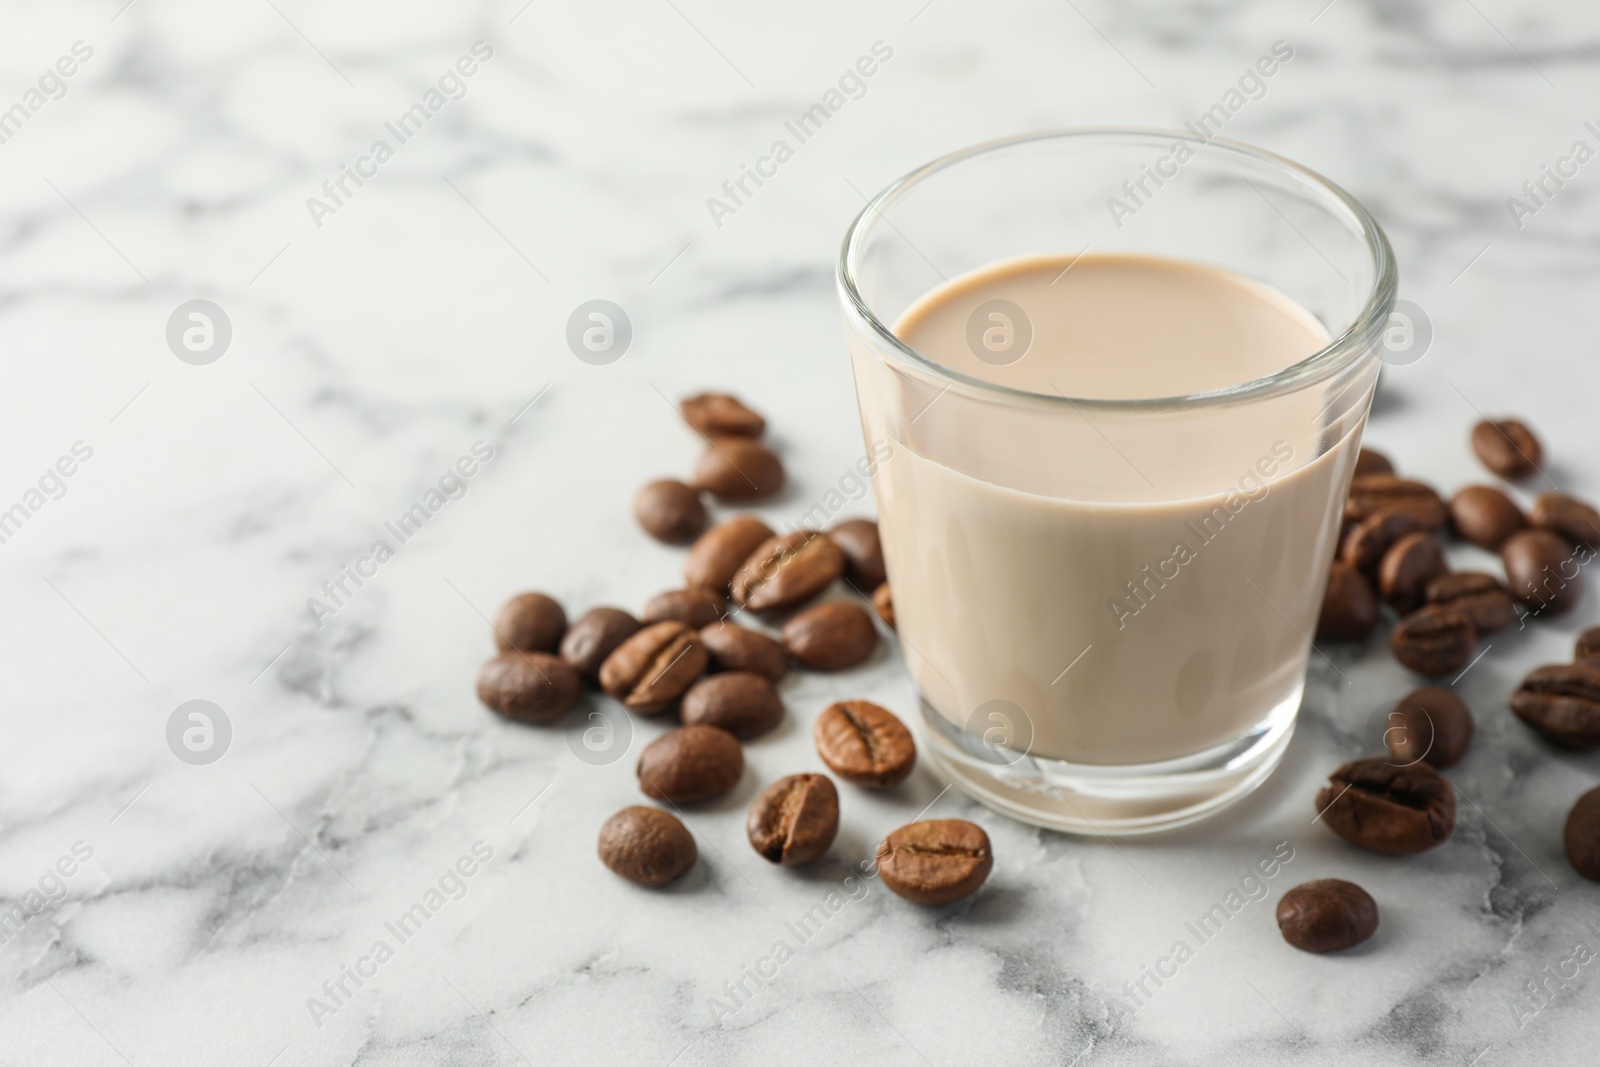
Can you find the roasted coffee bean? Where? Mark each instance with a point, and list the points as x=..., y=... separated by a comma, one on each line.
x=529, y=686
x=830, y=637
x=1429, y=724
x=1407, y=568
x=865, y=744
x=863, y=553
x=1371, y=461
x=1541, y=571
x=689, y=764
x=794, y=820
x=1480, y=595
x=1434, y=640
x=1485, y=516
x=1369, y=492
x=883, y=603
x=722, y=550
x=647, y=846
x=738, y=468
x=529, y=622
x=1575, y=521
x=721, y=415
x=1587, y=647
x=1366, y=545
x=697, y=607
x=670, y=511
x=1507, y=447
x=787, y=570
x=595, y=636
x=734, y=648
x=744, y=704
x=1327, y=915
x=1349, y=608
x=1562, y=702
x=1398, y=810
x=650, y=671
x=935, y=862
x=1582, y=836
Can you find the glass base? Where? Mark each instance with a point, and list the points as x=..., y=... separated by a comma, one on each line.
x=1102, y=800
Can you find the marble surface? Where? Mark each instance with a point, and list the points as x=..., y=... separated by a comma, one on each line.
x=376, y=340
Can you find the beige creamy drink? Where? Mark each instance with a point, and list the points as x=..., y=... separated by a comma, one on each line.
x=1141, y=596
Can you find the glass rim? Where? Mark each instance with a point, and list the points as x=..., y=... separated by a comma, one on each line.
x=1339, y=351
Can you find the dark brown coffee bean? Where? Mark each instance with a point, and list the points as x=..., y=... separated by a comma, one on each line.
x=738, y=468
x=744, y=704
x=865, y=744
x=1541, y=571
x=830, y=637
x=734, y=648
x=1582, y=836
x=1575, y=521
x=670, y=511
x=1349, y=608
x=530, y=622
x=1562, y=702
x=883, y=602
x=595, y=636
x=647, y=846
x=1369, y=492
x=1429, y=724
x=1327, y=915
x=1371, y=461
x=722, y=550
x=1507, y=447
x=935, y=862
x=1407, y=568
x=1587, y=647
x=1434, y=640
x=721, y=415
x=695, y=607
x=1485, y=516
x=689, y=764
x=863, y=553
x=529, y=686
x=1366, y=545
x=650, y=671
x=1480, y=595
x=794, y=820
x=787, y=570
x=1397, y=810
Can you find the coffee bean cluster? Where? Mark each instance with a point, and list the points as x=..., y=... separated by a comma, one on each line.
x=687, y=653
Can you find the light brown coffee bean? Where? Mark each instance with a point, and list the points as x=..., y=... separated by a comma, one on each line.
x=1327, y=915
x=1369, y=492
x=863, y=553
x=734, y=648
x=1562, y=702
x=670, y=511
x=1434, y=640
x=1480, y=595
x=1587, y=648
x=530, y=622
x=721, y=415
x=738, y=468
x=830, y=637
x=1507, y=447
x=595, y=636
x=1575, y=521
x=1371, y=461
x=690, y=764
x=787, y=570
x=1582, y=836
x=697, y=607
x=647, y=846
x=1542, y=571
x=1366, y=545
x=531, y=687
x=1407, y=568
x=650, y=671
x=744, y=704
x=864, y=743
x=1349, y=607
x=883, y=602
x=1485, y=516
x=1384, y=808
x=722, y=550
x=794, y=820
x=935, y=862
x=1430, y=724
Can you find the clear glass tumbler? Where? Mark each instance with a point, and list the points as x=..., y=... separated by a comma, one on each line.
x=1095, y=653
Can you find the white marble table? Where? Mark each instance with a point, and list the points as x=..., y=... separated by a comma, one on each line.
x=376, y=338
